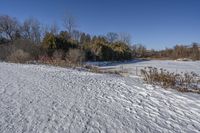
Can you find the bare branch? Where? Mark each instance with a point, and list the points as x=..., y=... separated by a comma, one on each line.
x=69, y=23
x=9, y=27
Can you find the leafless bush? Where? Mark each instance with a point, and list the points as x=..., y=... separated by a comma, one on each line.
x=5, y=51
x=19, y=56
x=58, y=54
x=45, y=59
x=29, y=47
x=55, y=61
x=184, y=82
x=75, y=56
x=95, y=69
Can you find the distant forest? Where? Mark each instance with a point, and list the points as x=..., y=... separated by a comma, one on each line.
x=31, y=40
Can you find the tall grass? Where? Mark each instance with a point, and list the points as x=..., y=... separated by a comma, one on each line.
x=183, y=82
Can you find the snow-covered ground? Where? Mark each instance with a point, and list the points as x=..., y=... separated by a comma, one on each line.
x=38, y=98
x=133, y=67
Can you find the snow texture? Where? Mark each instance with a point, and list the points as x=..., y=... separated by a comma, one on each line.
x=136, y=65
x=45, y=99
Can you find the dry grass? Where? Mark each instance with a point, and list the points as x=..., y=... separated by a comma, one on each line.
x=19, y=56
x=75, y=56
x=95, y=69
x=58, y=54
x=55, y=62
x=184, y=82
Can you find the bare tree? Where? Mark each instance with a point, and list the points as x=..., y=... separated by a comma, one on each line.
x=44, y=30
x=9, y=27
x=76, y=35
x=195, y=53
x=26, y=28
x=54, y=29
x=180, y=51
x=112, y=37
x=32, y=30
x=141, y=50
x=125, y=38
x=138, y=50
x=69, y=23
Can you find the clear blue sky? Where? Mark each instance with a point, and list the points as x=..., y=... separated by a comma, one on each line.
x=154, y=23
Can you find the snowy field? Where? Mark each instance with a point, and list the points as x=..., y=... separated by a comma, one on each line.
x=44, y=99
x=134, y=67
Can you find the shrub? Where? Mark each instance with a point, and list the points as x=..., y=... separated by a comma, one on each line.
x=184, y=82
x=58, y=54
x=49, y=41
x=109, y=52
x=61, y=41
x=19, y=56
x=27, y=46
x=75, y=56
x=95, y=69
x=5, y=51
x=102, y=51
x=121, y=51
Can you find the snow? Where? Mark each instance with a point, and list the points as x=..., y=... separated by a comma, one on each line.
x=137, y=65
x=39, y=98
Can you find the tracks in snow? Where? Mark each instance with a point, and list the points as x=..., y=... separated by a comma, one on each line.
x=48, y=99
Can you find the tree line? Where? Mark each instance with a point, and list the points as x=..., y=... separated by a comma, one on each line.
x=36, y=39
x=179, y=51
x=33, y=39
